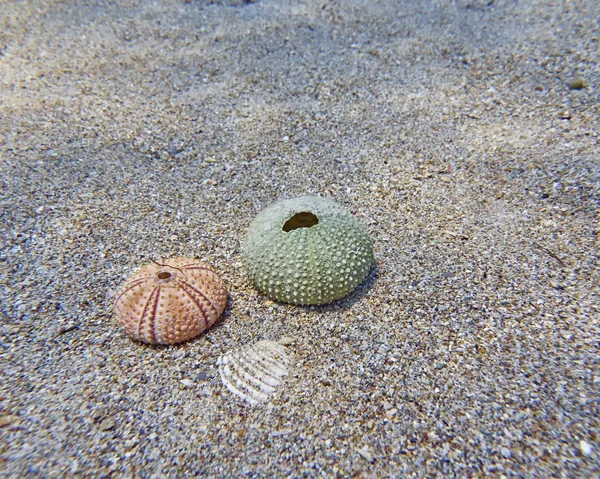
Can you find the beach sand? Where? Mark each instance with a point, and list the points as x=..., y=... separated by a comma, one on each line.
x=132, y=131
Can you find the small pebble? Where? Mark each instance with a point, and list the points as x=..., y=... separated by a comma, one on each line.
x=577, y=84
x=65, y=328
x=286, y=341
x=505, y=452
x=188, y=383
x=586, y=449
x=107, y=424
x=565, y=115
x=7, y=420
x=367, y=453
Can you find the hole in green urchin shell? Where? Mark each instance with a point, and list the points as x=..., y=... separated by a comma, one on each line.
x=300, y=220
x=164, y=275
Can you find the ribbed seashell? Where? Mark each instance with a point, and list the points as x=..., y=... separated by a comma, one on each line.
x=254, y=371
x=170, y=301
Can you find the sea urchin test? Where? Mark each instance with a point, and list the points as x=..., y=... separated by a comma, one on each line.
x=307, y=250
x=170, y=301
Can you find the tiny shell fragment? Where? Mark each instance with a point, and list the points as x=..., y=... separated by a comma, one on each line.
x=254, y=371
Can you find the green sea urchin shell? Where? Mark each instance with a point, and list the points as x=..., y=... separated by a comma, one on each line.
x=307, y=250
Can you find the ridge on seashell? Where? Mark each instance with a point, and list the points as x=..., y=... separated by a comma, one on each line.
x=170, y=301
x=254, y=371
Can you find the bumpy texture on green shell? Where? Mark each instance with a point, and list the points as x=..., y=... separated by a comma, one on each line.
x=307, y=265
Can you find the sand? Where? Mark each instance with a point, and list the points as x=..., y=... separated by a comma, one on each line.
x=132, y=131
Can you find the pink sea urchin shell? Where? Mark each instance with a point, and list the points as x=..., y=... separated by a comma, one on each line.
x=170, y=301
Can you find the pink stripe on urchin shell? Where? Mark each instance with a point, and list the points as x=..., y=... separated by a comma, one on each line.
x=190, y=291
x=170, y=301
x=195, y=266
x=129, y=286
x=148, y=317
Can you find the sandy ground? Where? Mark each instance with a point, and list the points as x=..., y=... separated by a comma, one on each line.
x=139, y=130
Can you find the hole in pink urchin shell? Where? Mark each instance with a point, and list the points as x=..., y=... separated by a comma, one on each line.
x=300, y=220
x=164, y=275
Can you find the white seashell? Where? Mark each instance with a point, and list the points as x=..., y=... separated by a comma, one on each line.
x=254, y=371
